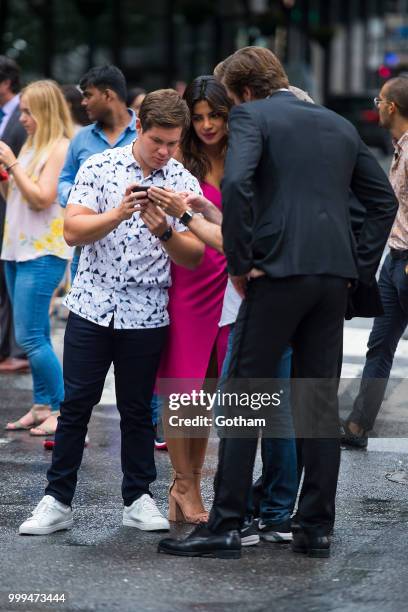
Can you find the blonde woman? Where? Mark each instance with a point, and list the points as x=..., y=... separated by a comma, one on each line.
x=34, y=249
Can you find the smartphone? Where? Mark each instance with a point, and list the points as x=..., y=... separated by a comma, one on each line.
x=158, y=186
x=139, y=188
x=145, y=187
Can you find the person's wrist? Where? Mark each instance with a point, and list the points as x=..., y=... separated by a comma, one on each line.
x=204, y=207
x=163, y=228
x=117, y=215
x=166, y=235
x=10, y=167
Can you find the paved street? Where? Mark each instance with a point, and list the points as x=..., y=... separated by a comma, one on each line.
x=100, y=565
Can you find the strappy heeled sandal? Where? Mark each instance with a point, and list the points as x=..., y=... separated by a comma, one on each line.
x=44, y=429
x=39, y=413
x=178, y=512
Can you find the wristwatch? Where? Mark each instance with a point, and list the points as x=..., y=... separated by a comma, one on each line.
x=167, y=235
x=186, y=217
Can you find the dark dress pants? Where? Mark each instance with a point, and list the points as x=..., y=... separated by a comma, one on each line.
x=308, y=313
x=89, y=351
x=383, y=341
x=8, y=344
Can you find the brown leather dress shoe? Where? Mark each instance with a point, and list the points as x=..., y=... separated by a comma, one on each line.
x=12, y=365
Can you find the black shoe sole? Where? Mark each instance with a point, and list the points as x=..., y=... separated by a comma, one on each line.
x=212, y=554
x=317, y=553
x=353, y=445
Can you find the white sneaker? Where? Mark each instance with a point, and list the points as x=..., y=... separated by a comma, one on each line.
x=48, y=516
x=145, y=515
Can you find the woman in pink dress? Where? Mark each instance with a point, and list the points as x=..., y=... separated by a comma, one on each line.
x=196, y=346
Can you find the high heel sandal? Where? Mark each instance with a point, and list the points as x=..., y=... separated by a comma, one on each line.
x=46, y=429
x=179, y=513
x=39, y=413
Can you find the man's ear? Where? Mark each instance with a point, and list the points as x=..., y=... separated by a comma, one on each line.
x=138, y=125
x=7, y=83
x=109, y=94
x=247, y=94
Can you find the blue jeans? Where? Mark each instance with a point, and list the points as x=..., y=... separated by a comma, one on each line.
x=279, y=482
x=383, y=341
x=75, y=263
x=30, y=285
x=156, y=406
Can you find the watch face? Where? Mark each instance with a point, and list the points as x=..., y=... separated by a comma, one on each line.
x=186, y=217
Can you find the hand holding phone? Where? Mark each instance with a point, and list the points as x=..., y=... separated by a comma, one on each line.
x=141, y=195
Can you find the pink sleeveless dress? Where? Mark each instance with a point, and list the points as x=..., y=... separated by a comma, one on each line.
x=195, y=305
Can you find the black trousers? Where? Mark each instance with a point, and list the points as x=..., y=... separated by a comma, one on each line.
x=8, y=344
x=89, y=351
x=307, y=312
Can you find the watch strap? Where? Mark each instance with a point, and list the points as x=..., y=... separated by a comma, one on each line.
x=167, y=235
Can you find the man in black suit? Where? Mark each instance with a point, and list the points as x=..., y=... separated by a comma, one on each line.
x=12, y=358
x=291, y=253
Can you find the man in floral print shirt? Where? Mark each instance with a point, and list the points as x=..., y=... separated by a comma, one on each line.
x=387, y=330
x=118, y=306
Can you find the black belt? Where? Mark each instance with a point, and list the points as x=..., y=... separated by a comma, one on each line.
x=399, y=254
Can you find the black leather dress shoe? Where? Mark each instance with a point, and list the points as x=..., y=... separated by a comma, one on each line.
x=348, y=438
x=296, y=526
x=311, y=545
x=201, y=542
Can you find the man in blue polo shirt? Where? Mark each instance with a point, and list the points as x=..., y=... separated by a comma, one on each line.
x=104, y=91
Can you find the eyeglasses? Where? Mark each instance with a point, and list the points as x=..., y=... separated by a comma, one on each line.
x=378, y=101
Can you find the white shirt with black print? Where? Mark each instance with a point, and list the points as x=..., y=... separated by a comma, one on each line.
x=126, y=274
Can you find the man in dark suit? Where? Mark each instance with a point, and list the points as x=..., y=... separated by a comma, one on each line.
x=291, y=253
x=12, y=358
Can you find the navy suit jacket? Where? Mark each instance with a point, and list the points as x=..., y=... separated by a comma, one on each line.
x=290, y=167
x=14, y=135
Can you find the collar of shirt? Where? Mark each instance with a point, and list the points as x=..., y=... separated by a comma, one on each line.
x=129, y=160
x=8, y=109
x=131, y=127
x=11, y=105
x=400, y=144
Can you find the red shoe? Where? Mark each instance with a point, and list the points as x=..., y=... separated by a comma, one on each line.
x=49, y=444
x=160, y=444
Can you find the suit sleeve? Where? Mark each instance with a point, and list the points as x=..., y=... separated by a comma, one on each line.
x=373, y=189
x=19, y=138
x=14, y=134
x=244, y=152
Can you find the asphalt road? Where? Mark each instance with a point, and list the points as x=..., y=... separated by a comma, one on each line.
x=100, y=565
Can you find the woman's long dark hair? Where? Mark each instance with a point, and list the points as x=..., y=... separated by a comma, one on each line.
x=205, y=88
